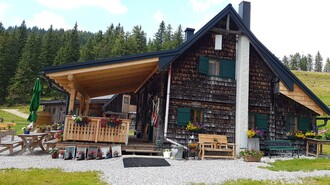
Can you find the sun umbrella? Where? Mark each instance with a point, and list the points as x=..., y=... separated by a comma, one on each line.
x=35, y=101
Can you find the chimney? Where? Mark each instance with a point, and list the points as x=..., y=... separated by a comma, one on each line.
x=244, y=10
x=189, y=33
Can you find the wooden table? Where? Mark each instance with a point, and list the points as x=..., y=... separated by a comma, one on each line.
x=31, y=141
x=318, y=144
x=7, y=125
x=4, y=133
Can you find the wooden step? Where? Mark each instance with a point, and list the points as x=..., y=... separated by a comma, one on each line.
x=134, y=151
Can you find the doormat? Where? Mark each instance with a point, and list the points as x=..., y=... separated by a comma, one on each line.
x=144, y=162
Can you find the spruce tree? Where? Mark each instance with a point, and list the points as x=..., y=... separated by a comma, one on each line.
x=303, y=63
x=178, y=37
x=294, y=61
x=309, y=62
x=327, y=66
x=28, y=68
x=285, y=61
x=318, y=62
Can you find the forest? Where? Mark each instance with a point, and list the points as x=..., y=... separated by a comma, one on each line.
x=24, y=52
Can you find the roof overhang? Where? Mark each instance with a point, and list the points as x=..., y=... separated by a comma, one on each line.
x=99, y=80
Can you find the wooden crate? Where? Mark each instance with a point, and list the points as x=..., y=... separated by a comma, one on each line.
x=93, y=131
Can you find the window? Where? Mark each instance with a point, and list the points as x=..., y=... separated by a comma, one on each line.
x=126, y=100
x=184, y=115
x=217, y=67
x=258, y=121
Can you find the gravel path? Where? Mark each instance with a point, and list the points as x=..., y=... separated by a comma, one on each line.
x=180, y=172
x=16, y=112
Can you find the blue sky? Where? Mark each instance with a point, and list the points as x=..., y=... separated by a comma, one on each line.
x=285, y=27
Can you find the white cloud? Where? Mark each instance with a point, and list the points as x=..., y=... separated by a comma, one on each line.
x=112, y=6
x=45, y=18
x=3, y=8
x=159, y=17
x=203, y=5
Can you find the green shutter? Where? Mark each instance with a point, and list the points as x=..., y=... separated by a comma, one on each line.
x=262, y=122
x=303, y=124
x=204, y=65
x=183, y=116
x=227, y=69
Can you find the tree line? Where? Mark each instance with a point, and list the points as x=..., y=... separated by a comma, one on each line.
x=306, y=62
x=24, y=52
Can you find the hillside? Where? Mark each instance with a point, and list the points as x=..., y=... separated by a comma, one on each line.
x=318, y=82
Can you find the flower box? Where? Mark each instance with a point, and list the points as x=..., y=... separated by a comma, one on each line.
x=251, y=158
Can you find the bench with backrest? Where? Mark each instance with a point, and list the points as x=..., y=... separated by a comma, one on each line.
x=280, y=145
x=215, y=146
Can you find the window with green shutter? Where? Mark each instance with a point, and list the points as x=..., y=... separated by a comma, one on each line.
x=262, y=121
x=183, y=116
x=303, y=124
x=217, y=67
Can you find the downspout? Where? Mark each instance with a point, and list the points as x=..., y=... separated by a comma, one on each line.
x=167, y=108
x=58, y=89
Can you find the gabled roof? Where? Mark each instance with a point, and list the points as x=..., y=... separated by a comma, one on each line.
x=166, y=57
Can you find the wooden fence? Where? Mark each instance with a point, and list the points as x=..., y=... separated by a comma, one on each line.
x=94, y=132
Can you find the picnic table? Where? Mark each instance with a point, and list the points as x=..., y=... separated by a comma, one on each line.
x=6, y=125
x=31, y=141
x=318, y=143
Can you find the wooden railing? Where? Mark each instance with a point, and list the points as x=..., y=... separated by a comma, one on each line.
x=94, y=132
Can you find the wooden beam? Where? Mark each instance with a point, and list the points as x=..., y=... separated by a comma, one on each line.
x=74, y=83
x=104, y=67
x=114, y=91
x=81, y=105
x=222, y=31
x=228, y=22
x=148, y=77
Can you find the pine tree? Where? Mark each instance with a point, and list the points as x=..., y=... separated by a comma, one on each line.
x=28, y=68
x=49, y=48
x=159, y=37
x=303, y=63
x=285, y=61
x=168, y=41
x=178, y=37
x=294, y=61
x=309, y=62
x=70, y=52
x=318, y=62
x=327, y=66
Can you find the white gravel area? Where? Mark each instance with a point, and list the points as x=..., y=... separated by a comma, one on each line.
x=180, y=171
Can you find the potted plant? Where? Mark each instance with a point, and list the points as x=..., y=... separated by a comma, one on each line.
x=26, y=130
x=54, y=153
x=61, y=154
x=251, y=155
x=192, y=146
x=310, y=134
x=195, y=127
x=255, y=133
x=81, y=120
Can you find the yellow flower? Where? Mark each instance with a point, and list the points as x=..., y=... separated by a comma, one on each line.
x=251, y=133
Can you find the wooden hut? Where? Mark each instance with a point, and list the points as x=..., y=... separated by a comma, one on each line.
x=222, y=76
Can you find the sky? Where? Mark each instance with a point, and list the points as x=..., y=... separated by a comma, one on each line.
x=283, y=26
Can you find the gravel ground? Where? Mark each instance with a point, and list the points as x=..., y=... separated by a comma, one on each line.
x=180, y=171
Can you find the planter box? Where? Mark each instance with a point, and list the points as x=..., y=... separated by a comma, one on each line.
x=251, y=158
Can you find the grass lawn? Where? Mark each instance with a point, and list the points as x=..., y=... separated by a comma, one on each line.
x=49, y=177
x=305, y=181
x=300, y=165
x=20, y=122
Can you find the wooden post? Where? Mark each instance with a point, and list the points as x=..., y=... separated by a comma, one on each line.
x=81, y=106
x=88, y=101
x=73, y=94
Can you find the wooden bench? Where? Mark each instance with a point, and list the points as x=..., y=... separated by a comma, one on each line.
x=10, y=145
x=280, y=145
x=50, y=143
x=216, y=145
